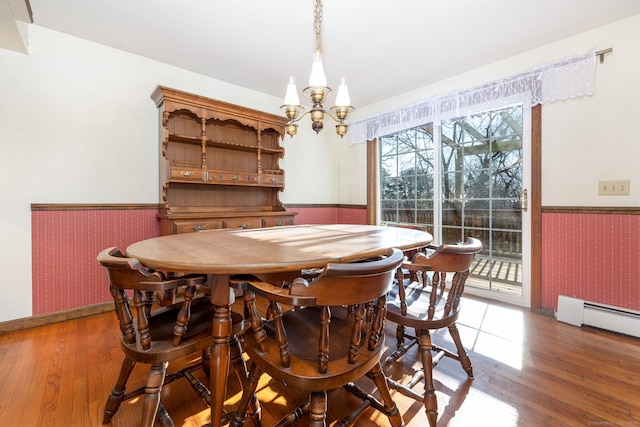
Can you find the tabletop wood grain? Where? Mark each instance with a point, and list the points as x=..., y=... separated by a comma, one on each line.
x=272, y=250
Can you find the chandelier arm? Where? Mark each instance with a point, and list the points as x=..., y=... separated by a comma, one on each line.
x=297, y=119
x=335, y=118
x=327, y=112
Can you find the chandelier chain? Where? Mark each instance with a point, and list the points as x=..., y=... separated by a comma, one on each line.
x=317, y=21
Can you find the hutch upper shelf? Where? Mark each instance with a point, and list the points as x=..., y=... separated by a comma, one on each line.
x=220, y=164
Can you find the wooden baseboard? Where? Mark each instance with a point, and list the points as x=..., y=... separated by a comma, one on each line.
x=60, y=316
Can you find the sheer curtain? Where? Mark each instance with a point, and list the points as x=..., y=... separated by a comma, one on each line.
x=570, y=78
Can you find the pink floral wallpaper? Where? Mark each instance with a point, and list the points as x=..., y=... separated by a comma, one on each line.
x=585, y=255
x=591, y=256
x=65, y=243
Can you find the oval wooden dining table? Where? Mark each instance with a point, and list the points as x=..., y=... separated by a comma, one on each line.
x=264, y=252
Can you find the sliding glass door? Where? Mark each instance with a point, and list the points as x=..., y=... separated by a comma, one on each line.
x=468, y=178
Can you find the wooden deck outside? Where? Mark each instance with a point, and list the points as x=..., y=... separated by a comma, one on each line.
x=506, y=275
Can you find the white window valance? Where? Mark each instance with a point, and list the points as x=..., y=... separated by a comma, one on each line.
x=567, y=79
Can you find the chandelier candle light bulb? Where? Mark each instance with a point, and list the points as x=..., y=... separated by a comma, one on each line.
x=342, y=98
x=291, y=97
x=317, y=77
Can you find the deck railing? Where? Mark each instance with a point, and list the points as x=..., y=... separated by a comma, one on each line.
x=500, y=231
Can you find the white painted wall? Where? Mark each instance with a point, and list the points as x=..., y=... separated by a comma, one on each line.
x=309, y=164
x=583, y=141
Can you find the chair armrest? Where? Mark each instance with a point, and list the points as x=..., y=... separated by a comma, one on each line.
x=193, y=279
x=419, y=262
x=270, y=291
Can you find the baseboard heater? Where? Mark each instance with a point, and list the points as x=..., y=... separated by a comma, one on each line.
x=616, y=319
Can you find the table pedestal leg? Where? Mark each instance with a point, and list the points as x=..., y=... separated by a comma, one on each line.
x=220, y=358
x=220, y=350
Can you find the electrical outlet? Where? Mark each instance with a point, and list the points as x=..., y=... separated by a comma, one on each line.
x=614, y=187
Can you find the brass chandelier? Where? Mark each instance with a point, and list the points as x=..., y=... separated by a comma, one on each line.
x=317, y=92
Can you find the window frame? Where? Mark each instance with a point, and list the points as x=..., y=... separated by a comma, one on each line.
x=534, y=201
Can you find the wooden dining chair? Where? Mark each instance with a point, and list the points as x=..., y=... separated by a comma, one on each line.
x=157, y=335
x=425, y=300
x=332, y=337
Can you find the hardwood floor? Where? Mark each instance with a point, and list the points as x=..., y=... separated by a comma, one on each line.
x=529, y=370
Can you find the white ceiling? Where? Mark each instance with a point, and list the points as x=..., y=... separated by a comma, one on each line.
x=382, y=47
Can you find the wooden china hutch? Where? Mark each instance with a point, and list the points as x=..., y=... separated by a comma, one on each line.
x=219, y=165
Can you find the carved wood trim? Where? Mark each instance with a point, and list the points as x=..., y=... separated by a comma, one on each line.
x=220, y=110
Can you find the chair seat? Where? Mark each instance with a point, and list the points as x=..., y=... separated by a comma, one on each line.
x=303, y=336
x=418, y=302
x=197, y=337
